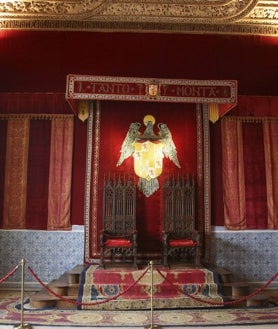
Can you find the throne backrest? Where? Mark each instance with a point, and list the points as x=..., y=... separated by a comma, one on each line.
x=119, y=205
x=179, y=206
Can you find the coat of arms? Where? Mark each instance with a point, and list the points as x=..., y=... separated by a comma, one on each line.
x=148, y=150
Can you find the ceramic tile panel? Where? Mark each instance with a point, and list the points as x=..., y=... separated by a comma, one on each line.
x=249, y=255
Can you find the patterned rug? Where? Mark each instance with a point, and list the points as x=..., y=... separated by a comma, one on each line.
x=127, y=289
x=10, y=313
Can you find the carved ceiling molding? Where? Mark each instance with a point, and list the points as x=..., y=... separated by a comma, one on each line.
x=258, y=17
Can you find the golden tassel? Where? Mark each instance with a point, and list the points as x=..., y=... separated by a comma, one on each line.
x=213, y=112
x=83, y=110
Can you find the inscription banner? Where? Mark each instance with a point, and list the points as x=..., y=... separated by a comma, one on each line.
x=82, y=88
x=150, y=90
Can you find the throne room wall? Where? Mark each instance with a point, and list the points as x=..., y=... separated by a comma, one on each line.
x=37, y=62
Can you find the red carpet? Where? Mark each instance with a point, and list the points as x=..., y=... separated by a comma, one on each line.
x=120, y=289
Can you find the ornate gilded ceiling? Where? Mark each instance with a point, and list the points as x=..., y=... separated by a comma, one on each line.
x=250, y=17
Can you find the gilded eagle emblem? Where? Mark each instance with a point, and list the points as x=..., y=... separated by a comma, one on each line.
x=148, y=150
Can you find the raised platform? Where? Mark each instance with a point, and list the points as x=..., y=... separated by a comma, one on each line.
x=126, y=289
x=70, y=290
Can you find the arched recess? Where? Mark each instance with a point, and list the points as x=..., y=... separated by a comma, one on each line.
x=110, y=104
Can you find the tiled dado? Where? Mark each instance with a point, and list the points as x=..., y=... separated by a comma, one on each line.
x=249, y=255
x=48, y=254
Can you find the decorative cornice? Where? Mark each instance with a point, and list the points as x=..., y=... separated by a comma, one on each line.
x=193, y=16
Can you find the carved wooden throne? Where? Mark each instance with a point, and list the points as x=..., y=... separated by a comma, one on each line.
x=118, y=238
x=181, y=241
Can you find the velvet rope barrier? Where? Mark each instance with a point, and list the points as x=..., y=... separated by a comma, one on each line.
x=11, y=273
x=71, y=301
x=220, y=303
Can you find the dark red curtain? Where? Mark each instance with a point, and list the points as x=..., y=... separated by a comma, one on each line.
x=115, y=119
x=217, y=205
x=254, y=160
x=3, y=133
x=38, y=173
x=255, y=176
x=32, y=61
x=39, y=153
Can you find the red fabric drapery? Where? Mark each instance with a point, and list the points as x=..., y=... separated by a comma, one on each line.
x=38, y=173
x=249, y=172
x=25, y=180
x=59, y=192
x=16, y=173
x=111, y=123
x=271, y=164
x=39, y=154
x=233, y=175
x=251, y=106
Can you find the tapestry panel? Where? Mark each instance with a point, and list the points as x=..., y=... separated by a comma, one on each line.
x=110, y=129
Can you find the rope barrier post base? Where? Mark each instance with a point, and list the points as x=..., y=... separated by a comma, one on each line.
x=152, y=325
x=24, y=325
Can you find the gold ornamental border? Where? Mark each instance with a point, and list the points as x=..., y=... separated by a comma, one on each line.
x=247, y=17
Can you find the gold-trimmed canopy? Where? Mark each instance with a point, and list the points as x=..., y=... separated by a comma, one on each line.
x=245, y=17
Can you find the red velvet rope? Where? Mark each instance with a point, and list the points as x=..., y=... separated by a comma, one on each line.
x=71, y=301
x=9, y=274
x=220, y=303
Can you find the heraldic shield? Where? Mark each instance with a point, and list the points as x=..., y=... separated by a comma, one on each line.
x=148, y=159
x=148, y=150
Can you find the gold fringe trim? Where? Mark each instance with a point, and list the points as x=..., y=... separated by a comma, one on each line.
x=251, y=119
x=34, y=116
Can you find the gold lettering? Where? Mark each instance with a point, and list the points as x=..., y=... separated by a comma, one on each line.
x=141, y=88
x=113, y=88
x=212, y=92
x=102, y=89
x=184, y=91
x=93, y=87
x=196, y=91
x=164, y=87
x=125, y=89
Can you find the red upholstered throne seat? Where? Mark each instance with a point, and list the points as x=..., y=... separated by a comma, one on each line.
x=118, y=242
x=181, y=241
x=118, y=237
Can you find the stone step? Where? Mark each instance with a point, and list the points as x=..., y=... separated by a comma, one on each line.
x=73, y=276
x=43, y=300
x=240, y=289
x=235, y=302
x=66, y=287
x=260, y=300
x=225, y=275
x=63, y=304
x=236, y=289
x=73, y=290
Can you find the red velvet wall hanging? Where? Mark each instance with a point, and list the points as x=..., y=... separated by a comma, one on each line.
x=110, y=125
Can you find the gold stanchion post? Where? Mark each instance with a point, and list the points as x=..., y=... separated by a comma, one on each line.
x=22, y=324
x=152, y=325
